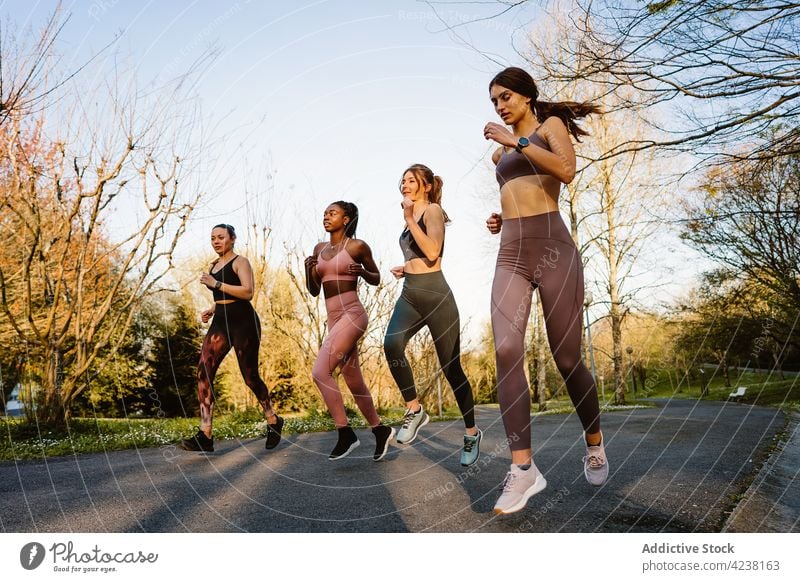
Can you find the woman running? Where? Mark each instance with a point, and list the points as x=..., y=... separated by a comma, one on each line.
x=427, y=300
x=537, y=251
x=235, y=325
x=335, y=266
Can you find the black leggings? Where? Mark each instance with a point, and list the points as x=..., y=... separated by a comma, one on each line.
x=427, y=300
x=538, y=251
x=235, y=325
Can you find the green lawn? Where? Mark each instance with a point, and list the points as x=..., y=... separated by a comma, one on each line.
x=762, y=389
x=86, y=435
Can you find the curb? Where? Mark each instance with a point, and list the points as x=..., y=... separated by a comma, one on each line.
x=772, y=502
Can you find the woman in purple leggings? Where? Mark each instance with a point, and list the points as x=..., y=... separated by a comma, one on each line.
x=335, y=267
x=534, y=159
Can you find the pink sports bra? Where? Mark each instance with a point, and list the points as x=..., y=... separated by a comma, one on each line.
x=335, y=268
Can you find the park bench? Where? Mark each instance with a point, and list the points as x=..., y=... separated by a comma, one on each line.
x=740, y=391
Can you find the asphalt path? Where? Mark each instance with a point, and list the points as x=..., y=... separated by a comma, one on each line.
x=680, y=467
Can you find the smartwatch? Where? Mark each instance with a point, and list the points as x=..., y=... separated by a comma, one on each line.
x=522, y=143
x=217, y=285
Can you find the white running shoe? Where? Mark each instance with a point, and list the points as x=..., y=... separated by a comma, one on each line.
x=518, y=487
x=412, y=422
x=595, y=464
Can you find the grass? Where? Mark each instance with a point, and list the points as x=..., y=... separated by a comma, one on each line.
x=762, y=389
x=21, y=440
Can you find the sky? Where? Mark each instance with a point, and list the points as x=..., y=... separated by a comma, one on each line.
x=318, y=101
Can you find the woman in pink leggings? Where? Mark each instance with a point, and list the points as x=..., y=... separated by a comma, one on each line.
x=335, y=267
x=536, y=251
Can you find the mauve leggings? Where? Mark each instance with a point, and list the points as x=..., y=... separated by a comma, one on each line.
x=347, y=322
x=538, y=251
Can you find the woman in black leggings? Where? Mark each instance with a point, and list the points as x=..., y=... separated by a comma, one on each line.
x=427, y=300
x=537, y=251
x=235, y=325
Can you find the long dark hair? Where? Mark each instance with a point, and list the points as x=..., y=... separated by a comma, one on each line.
x=350, y=211
x=425, y=176
x=519, y=81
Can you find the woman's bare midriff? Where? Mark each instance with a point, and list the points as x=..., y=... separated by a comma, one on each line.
x=420, y=266
x=529, y=196
x=334, y=288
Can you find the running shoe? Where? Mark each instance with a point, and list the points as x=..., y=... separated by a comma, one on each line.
x=412, y=422
x=274, y=433
x=383, y=434
x=595, y=464
x=199, y=442
x=518, y=487
x=472, y=448
x=347, y=443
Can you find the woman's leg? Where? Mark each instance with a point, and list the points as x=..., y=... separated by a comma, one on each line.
x=216, y=346
x=246, y=339
x=511, y=306
x=561, y=291
x=343, y=333
x=351, y=372
x=405, y=322
x=444, y=325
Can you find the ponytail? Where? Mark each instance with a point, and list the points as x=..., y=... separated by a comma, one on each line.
x=567, y=112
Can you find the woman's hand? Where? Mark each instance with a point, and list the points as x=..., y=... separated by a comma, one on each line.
x=398, y=272
x=310, y=262
x=207, y=314
x=208, y=280
x=356, y=269
x=494, y=223
x=500, y=134
x=408, y=208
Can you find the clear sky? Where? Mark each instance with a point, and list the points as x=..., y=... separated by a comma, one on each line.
x=332, y=99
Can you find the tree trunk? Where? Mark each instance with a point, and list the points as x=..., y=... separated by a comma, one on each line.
x=49, y=402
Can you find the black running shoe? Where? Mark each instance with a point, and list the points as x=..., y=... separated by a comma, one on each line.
x=199, y=442
x=274, y=433
x=347, y=442
x=383, y=434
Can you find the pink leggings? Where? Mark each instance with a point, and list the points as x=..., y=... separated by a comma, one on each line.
x=538, y=251
x=347, y=322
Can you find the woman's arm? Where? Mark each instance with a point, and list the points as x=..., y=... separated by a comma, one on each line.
x=365, y=265
x=313, y=282
x=431, y=243
x=558, y=162
x=241, y=267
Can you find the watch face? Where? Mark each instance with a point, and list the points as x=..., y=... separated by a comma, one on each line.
x=523, y=142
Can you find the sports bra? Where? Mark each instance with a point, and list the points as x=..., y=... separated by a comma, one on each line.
x=335, y=268
x=410, y=247
x=515, y=164
x=228, y=276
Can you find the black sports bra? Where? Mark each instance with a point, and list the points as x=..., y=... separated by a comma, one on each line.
x=410, y=247
x=514, y=164
x=228, y=276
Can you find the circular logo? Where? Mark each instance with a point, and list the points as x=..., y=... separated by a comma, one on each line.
x=31, y=555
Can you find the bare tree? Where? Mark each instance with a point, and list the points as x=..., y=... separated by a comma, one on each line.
x=68, y=288
x=721, y=73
